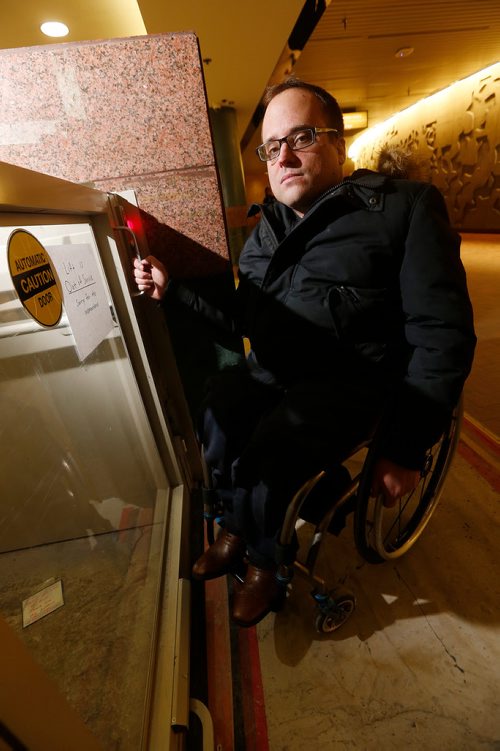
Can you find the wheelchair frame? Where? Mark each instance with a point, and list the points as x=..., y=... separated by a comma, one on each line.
x=380, y=533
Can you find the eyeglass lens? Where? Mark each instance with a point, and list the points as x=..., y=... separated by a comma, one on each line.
x=296, y=141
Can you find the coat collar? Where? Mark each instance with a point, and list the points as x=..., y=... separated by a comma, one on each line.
x=364, y=184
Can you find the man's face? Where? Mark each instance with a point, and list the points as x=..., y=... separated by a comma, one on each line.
x=297, y=178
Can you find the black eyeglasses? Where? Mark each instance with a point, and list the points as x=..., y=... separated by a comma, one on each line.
x=299, y=139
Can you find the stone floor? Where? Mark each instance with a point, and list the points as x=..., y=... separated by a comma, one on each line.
x=418, y=663
x=481, y=257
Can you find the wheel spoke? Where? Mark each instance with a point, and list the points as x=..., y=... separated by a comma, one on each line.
x=382, y=533
x=397, y=532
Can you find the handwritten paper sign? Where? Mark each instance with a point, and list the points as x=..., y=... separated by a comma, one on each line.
x=42, y=603
x=84, y=295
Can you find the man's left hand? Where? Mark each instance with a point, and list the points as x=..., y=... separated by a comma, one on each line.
x=393, y=481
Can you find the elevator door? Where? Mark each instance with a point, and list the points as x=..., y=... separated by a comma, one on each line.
x=84, y=502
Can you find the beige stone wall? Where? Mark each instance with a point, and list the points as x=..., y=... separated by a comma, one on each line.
x=455, y=136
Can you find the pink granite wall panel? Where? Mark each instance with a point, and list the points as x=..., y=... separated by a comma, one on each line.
x=120, y=113
x=185, y=199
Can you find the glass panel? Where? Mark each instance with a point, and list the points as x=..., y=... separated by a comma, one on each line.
x=83, y=499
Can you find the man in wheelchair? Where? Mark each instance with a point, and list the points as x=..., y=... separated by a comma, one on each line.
x=354, y=299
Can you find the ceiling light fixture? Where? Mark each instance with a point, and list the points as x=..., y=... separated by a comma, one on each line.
x=355, y=120
x=54, y=29
x=404, y=52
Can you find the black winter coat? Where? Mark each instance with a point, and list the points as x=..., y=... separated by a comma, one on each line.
x=368, y=286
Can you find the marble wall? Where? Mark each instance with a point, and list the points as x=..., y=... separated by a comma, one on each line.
x=131, y=114
x=455, y=138
x=120, y=114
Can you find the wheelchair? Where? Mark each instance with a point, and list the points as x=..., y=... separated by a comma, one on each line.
x=380, y=533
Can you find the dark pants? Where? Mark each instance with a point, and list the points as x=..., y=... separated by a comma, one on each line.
x=262, y=442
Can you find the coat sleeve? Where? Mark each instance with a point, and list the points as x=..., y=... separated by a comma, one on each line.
x=212, y=298
x=438, y=328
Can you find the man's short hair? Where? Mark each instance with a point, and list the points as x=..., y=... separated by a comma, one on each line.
x=330, y=105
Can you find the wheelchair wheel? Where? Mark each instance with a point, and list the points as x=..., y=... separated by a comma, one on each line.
x=334, y=610
x=381, y=533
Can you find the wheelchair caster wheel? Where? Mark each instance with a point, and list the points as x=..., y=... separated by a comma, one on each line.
x=334, y=612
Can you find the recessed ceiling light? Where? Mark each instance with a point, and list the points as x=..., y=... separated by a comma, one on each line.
x=54, y=29
x=404, y=52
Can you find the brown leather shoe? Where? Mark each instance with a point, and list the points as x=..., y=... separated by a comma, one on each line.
x=220, y=558
x=256, y=596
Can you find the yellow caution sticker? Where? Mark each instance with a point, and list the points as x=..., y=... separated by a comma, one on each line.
x=34, y=278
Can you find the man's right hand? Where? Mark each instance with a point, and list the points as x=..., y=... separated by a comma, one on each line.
x=151, y=277
x=393, y=481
